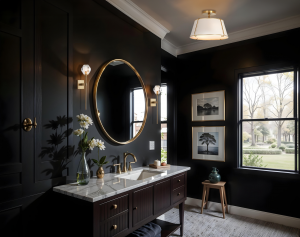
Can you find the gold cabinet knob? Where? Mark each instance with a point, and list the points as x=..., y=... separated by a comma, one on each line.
x=135, y=208
x=27, y=124
x=115, y=206
x=178, y=180
x=114, y=227
x=178, y=194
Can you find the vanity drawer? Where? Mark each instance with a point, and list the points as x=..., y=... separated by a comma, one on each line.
x=178, y=181
x=178, y=194
x=114, y=226
x=113, y=207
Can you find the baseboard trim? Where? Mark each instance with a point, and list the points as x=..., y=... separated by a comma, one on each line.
x=260, y=215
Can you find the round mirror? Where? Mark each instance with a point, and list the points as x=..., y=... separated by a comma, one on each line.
x=120, y=101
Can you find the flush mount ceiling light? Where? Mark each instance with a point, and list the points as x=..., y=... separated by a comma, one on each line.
x=209, y=28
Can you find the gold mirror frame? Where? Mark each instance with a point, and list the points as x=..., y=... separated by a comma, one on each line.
x=95, y=101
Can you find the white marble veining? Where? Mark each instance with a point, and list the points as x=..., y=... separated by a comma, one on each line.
x=113, y=184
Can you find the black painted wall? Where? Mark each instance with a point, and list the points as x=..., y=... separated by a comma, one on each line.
x=100, y=36
x=212, y=70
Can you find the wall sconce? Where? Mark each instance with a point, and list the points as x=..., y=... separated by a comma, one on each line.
x=154, y=102
x=86, y=69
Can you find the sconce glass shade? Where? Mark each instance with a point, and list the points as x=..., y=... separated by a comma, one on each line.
x=86, y=69
x=157, y=89
x=209, y=29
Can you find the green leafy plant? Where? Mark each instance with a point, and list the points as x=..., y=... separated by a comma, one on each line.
x=100, y=162
x=271, y=140
x=253, y=160
x=263, y=151
x=163, y=155
x=273, y=145
x=282, y=147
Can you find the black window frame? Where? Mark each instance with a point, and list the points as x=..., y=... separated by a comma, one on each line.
x=258, y=71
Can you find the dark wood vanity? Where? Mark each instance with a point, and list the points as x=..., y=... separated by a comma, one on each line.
x=126, y=212
x=123, y=213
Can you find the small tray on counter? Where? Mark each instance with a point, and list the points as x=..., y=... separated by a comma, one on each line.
x=167, y=166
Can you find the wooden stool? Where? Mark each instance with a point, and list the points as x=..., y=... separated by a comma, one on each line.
x=221, y=186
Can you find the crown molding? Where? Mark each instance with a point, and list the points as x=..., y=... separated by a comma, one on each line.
x=253, y=32
x=169, y=47
x=140, y=16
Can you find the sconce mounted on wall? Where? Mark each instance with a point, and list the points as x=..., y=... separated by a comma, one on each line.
x=86, y=69
x=154, y=102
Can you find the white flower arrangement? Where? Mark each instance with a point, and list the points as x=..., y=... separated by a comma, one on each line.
x=84, y=122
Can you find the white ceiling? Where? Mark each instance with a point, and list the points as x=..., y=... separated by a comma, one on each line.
x=178, y=15
x=175, y=19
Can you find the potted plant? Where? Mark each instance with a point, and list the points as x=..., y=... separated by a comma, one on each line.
x=101, y=161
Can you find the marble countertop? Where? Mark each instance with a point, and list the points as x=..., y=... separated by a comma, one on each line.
x=111, y=184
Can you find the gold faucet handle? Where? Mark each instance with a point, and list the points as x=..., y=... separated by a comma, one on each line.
x=130, y=168
x=119, y=169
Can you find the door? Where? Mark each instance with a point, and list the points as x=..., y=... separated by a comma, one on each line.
x=142, y=204
x=35, y=82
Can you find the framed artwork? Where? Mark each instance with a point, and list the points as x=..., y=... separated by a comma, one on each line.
x=208, y=106
x=208, y=143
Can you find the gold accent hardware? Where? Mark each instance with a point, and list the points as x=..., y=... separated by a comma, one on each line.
x=153, y=102
x=115, y=206
x=124, y=163
x=115, y=227
x=130, y=168
x=80, y=84
x=119, y=169
x=27, y=124
x=95, y=101
x=178, y=194
x=209, y=12
x=178, y=180
x=135, y=208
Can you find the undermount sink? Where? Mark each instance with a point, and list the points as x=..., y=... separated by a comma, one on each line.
x=140, y=174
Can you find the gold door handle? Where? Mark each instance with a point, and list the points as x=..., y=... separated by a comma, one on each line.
x=115, y=206
x=115, y=227
x=27, y=124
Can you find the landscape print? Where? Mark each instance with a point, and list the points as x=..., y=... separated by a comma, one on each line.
x=208, y=106
x=208, y=143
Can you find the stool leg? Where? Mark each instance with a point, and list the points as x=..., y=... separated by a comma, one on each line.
x=225, y=200
x=222, y=201
x=206, y=199
x=203, y=197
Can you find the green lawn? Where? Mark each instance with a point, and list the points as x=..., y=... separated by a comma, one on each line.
x=284, y=161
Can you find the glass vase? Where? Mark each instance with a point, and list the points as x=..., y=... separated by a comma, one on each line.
x=83, y=171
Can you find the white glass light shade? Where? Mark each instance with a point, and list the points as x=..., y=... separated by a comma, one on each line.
x=209, y=29
x=86, y=69
x=157, y=89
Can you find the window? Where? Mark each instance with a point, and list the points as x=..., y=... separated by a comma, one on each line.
x=268, y=120
x=138, y=105
x=164, y=117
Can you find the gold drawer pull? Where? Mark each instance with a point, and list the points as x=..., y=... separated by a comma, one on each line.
x=115, y=227
x=178, y=180
x=135, y=208
x=115, y=206
x=178, y=194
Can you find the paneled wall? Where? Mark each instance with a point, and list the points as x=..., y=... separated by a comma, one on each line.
x=212, y=70
x=100, y=36
x=43, y=45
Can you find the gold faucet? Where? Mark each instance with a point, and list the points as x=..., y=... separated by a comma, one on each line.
x=124, y=164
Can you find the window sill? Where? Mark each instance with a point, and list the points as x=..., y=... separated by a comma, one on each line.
x=268, y=170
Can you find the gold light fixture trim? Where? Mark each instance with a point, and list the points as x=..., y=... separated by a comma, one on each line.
x=209, y=28
x=96, y=108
